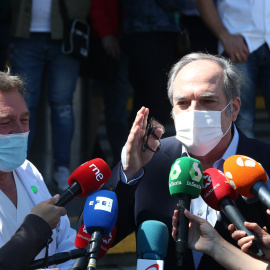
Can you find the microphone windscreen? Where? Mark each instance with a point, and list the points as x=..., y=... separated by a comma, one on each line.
x=186, y=177
x=152, y=240
x=82, y=238
x=106, y=243
x=242, y=173
x=100, y=211
x=91, y=176
x=216, y=187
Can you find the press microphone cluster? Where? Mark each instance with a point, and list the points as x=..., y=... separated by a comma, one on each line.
x=219, y=195
x=247, y=177
x=185, y=183
x=152, y=243
x=87, y=178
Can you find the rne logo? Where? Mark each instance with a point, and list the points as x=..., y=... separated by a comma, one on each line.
x=99, y=175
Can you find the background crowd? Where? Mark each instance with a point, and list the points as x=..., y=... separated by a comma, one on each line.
x=133, y=44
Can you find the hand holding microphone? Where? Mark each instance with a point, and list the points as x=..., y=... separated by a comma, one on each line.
x=49, y=212
x=87, y=178
x=219, y=195
x=247, y=177
x=185, y=183
x=201, y=234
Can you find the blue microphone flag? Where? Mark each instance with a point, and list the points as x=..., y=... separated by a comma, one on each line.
x=100, y=211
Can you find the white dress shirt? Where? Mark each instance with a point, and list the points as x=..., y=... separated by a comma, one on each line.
x=249, y=18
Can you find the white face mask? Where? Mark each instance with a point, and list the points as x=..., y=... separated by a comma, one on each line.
x=199, y=131
x=13, y=151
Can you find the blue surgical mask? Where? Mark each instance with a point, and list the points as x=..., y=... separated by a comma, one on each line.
x=13, y=151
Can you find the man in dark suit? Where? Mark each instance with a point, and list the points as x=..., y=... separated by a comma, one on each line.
x=204, y=91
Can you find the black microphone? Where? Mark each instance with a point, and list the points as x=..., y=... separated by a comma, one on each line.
x=59, y=258
x=81, y=263
x=185, y=183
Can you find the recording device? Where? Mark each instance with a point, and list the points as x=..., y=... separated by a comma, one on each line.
x=100, y=214
x=219, y=195
x=90, y=176
x=185, y=183
x=152, y=243
x=247, y=177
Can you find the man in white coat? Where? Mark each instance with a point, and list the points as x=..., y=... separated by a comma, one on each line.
x=21, y=184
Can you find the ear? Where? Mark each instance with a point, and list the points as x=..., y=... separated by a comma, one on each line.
x=236, y=104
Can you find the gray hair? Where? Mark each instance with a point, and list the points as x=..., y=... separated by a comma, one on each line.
x=232, y=79
x=9, y=82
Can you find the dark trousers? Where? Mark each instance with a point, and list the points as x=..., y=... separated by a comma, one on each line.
x=151, y=56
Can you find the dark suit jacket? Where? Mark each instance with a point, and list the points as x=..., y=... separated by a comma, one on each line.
x=149, y=199
x=25, y=244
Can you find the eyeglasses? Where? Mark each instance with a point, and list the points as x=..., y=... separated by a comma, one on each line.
x=153, y=125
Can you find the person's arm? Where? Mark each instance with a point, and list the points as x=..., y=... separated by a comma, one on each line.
x=204, y=238
x=33, y=235
x=103, y=26
x=245, y=242
x=234, y=45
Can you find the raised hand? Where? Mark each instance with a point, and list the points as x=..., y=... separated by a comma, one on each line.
x=133, y=156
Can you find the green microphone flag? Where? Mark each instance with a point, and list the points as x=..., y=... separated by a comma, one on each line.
x=186, y=176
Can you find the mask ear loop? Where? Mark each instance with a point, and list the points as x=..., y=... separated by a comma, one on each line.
x=226, y=105
x=231, y=122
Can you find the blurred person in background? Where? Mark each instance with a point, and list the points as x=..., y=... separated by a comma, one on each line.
x=36, y=54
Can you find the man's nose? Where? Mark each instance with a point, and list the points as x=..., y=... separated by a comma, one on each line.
x=195, y=106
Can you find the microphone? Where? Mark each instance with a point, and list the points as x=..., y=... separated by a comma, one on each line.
x=152, y=243
x=247, y=177
x=100, y=214
x=219, y=195
x=90, y=176
x=185, y=183
x=82, y=241
x=59, y=258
